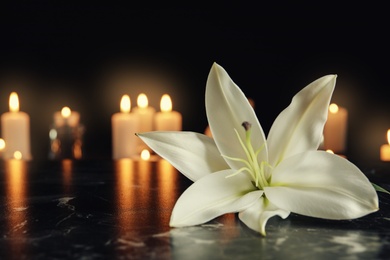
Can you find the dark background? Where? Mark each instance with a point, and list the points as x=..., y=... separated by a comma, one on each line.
x=86, y=56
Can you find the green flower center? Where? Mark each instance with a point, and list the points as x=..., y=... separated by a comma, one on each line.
x=256, y=169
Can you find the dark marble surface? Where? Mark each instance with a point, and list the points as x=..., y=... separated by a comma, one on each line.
x=121, y=210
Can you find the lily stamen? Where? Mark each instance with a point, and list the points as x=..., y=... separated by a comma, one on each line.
x=253, y=167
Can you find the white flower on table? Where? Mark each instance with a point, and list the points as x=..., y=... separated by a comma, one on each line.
x=239, y=170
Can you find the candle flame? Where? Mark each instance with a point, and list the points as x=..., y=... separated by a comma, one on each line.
x=142, y=100
x=333, y=108
x=17, y=155
x=2, y=144
x=388, y=136
x=329, y=151
x=14, y=102
x=65, y=112
x=166, y=103
x=125, y=104
x=145, y=155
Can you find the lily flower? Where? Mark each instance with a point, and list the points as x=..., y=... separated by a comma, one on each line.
x=240, y=171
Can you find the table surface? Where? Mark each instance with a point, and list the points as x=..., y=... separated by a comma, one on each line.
x=121, y=209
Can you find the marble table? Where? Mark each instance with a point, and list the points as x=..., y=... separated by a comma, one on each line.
x=121, y=209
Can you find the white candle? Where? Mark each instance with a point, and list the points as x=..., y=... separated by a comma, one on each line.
x=124, y=127
x=145, y=112
x=66, y=117
x=15, y=126
x=146, y=117
x=335, y=129
x=167, y=119
x=385, y=149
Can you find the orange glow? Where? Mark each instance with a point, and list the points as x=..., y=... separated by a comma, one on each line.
x=125, y=193
x=167, y=177
x=2, y=144
x=77, y=149
x=166, y=103
x=125, y=104
x=65, y=112
x=16, y=193
x=67, y=167
x=388, y=136
x=14, y=102
x=145, y=155
x=333, y=108
x=142, y=101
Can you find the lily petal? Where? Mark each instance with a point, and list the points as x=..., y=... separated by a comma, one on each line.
x=212, y=196
x=194, y=155
x=323, y=185
x=227, y=108
x=257, y=215
x=299, y=127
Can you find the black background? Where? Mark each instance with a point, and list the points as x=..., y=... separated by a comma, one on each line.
x=87, y=55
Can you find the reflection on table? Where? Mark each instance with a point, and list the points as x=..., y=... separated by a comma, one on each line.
x=121, y=209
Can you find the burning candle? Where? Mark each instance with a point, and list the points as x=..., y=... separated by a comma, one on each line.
x=66, y=117
x=385, y=149
x=145, y=112
x=124, y=127
x=15, y=126
x=167, y=120
x=335, y=129
x=146, y=117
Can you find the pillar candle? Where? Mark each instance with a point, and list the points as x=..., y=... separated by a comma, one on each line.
x=335, y=129
x=167, y=119
x=15, y=126
x=385, y=149
x=146, y=116
x=124, y=127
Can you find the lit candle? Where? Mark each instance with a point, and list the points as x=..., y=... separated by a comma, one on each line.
x=145, y=112
x=15, y=126
x=167, y=120
x=124, y=127
x=66, y=117
x=385, y=149
x=146, y=117
x=335, y=129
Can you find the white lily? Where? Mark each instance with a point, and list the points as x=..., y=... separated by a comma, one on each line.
x=239, y=170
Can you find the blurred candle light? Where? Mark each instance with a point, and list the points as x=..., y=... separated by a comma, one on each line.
x=335, y=129
x=385, y=149
x=146, y=117
x=2, y=146
x=66, y=135
x=16, y=212
x=15, y=126
x=67, y=171
x=124, y=127
x=145, y=155
x=66, y=117
x=126, y=195
x=167, y=119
